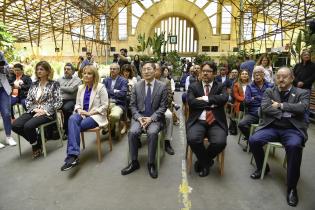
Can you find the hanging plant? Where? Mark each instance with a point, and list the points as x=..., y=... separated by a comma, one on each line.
x=6, y=43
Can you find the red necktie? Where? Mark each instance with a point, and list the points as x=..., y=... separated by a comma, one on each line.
x=209, y=115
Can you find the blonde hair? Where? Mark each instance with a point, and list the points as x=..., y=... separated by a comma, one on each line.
x=96, y=76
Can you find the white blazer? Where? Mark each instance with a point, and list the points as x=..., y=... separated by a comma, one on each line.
x=98, y=102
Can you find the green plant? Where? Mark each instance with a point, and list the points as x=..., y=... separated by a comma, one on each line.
x=146, y=58
x=202, y=58
x=296, y=47
x=308, y=39
x=144, y=43
x=230, y=60
x=157, y=42
x=6, y=43
x=174, y=59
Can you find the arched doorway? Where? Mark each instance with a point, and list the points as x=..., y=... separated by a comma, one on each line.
x=180, y=33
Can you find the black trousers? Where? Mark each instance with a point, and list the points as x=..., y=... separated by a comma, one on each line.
x=26, y=126
x=245, y=123
x=216, y=136
x=67, y=110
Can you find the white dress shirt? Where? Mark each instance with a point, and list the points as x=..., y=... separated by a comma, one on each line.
x=205, y=98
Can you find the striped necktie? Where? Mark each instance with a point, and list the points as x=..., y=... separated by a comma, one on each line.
x=209, y=115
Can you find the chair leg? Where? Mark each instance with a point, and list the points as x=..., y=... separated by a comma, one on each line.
x=163, y=143
x=274, y=151
x=60, y=133
x=265, y=161
x=82, y=139
x=189, y=159
x=19, y=111
x=157, y=157
x=42, y=137
x=99, y=146
x=285, y=161
x=239, y=138
x=110, y=137
x=19, y=144
x=221, y=163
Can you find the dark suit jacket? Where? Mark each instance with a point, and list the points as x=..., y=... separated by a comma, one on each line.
x=27, y=82
x=217, y=97
x=297, y=105
x=227, y=83
x=121, y=85
x=159, y=100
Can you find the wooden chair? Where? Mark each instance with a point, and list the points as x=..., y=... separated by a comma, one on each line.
x=42, y=135
x=97, y=132
x=189, y=155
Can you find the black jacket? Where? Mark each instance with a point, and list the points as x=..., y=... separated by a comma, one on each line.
x=304, y=73
x=217, y=97
x=25, y=87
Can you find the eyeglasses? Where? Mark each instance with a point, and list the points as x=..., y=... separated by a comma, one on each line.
x=147, y=69
x=207, y=71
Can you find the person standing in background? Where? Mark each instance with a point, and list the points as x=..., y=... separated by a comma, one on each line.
x=5, y=98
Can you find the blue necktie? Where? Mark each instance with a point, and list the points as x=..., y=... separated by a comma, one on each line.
x=147, y=102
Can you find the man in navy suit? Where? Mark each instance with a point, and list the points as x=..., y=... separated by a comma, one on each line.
x=117, y=87
x=284, y=108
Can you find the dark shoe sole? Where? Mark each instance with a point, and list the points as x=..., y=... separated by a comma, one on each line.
x=70, y=166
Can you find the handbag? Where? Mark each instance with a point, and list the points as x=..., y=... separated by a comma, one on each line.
x=232, y=127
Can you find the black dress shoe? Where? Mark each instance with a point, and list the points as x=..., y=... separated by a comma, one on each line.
x=292, y=197
x=257, y=173
x=204, y=172
x=152, y=171
x=168, y=148
x=134, y=165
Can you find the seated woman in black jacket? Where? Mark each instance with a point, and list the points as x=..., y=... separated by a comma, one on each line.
x=20, y=83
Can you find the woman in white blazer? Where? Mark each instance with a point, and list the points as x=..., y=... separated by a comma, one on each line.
x=89, y=112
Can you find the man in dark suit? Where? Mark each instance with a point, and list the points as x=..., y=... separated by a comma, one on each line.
x=116, y=87
x=283, y=119
x=207, y=118
x=224, y=77
x=148, y=105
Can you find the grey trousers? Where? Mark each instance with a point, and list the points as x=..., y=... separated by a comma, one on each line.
x=134, y=133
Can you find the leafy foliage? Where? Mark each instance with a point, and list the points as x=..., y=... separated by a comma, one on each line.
x=146, y=58
x=174, y=59
x=144, y=43
x=6, y=43
x=201, y=58
x=157, y=42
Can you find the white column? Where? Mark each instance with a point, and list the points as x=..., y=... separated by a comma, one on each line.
x=184, y=36
x=192, y=39
x=188, y=39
